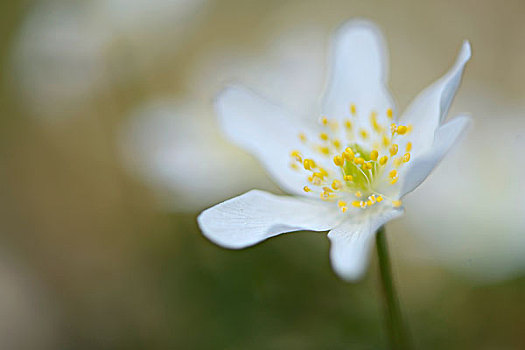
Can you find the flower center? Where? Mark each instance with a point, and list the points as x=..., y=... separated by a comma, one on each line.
x=353, y=162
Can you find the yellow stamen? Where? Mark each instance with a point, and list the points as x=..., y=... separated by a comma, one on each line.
x=323, y=136
x=359, y=160
x=401, y=130
x=339, y=161
x=308, y=164
x=394, y=180
x=409, y=146
x=383, y=160
x=406, y=157
x=294, y=166
x=341, y=204
x=367, y=166
x=324, y=150
x=296, y=155
x=348, y=124
x=398, y=161
x=337, y=185
x=363, y=133
x=302, y=137
x=379, y=199
x=306, y=189
x=393, y=149
x=344, y=209
x=353, y=109
x=348, y=154
x=356, y=204
x=389, y=113
x=358, y=194
x=348, y=177
x=373, y=155
x=396, y=204
x=324, y=121
x=393, y=173
x=386, y=141
x=337, y=144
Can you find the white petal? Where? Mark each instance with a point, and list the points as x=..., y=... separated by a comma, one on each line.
x=256, y=215
x=266, y=131
x=430, y=107
x=359, y=72
x=446, y=136
x=351, y=241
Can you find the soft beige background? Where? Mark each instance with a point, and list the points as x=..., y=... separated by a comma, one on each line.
x=109, y=149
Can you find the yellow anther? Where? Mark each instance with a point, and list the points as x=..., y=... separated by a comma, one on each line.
x=324, y=150
x=348, y=154
x=348, y=124
x=348, y=177
x=341, y=204
x=363, y=133
x=356, y=204
x=344, y=209
x=409, y=146
x=353, y=109
x=396, y=204
x=296, y=155
x=393, y=128
x=325, y=196
x=401, y=130
x=358, y=194
x=386, y=141
x=337, y=185
x=362, y=204
x=359, y=160
x=339, y=161
x=398, y=162
x=394, y=180
x=327, y=189
x=324, y=121
x=319, y=175
x=372, y=198
x=308, y=164
x=406, y=157
x=302, y=137
x=315, y=180
x=389, y=113
x=337, y=144
x=323, y=172
x=294, y=166
x=392, y=173
x=383, y=160
x=373, y=155
x=306, y=189
x=409, y=128
x=393, y=149
x=369, y=203
x=367, y=166
x=379, y=199
x=323, y=136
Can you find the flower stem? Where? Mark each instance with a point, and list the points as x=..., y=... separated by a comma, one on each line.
x=397, y=332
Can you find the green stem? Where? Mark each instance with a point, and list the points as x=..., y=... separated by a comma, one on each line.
x=396, y=328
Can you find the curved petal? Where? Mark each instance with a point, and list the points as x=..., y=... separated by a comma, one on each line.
x=256, y=215
x=358, y=74
x=352, y=240
x=446, y=136
x=266, y=131
x=430, y=107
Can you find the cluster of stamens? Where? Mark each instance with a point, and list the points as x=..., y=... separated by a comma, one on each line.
x=355, y=161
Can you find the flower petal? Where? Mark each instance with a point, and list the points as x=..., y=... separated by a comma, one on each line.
x=358, y=73
x=446, y=136
x=256, y=215
x=352, y=240
x=430, y=107
x=266, y=131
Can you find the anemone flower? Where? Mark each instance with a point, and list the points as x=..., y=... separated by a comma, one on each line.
x=348, y=172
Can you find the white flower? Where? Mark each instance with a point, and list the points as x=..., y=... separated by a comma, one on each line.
x=349, y=171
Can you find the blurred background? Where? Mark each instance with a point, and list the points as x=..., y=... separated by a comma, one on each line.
x=109, y=149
